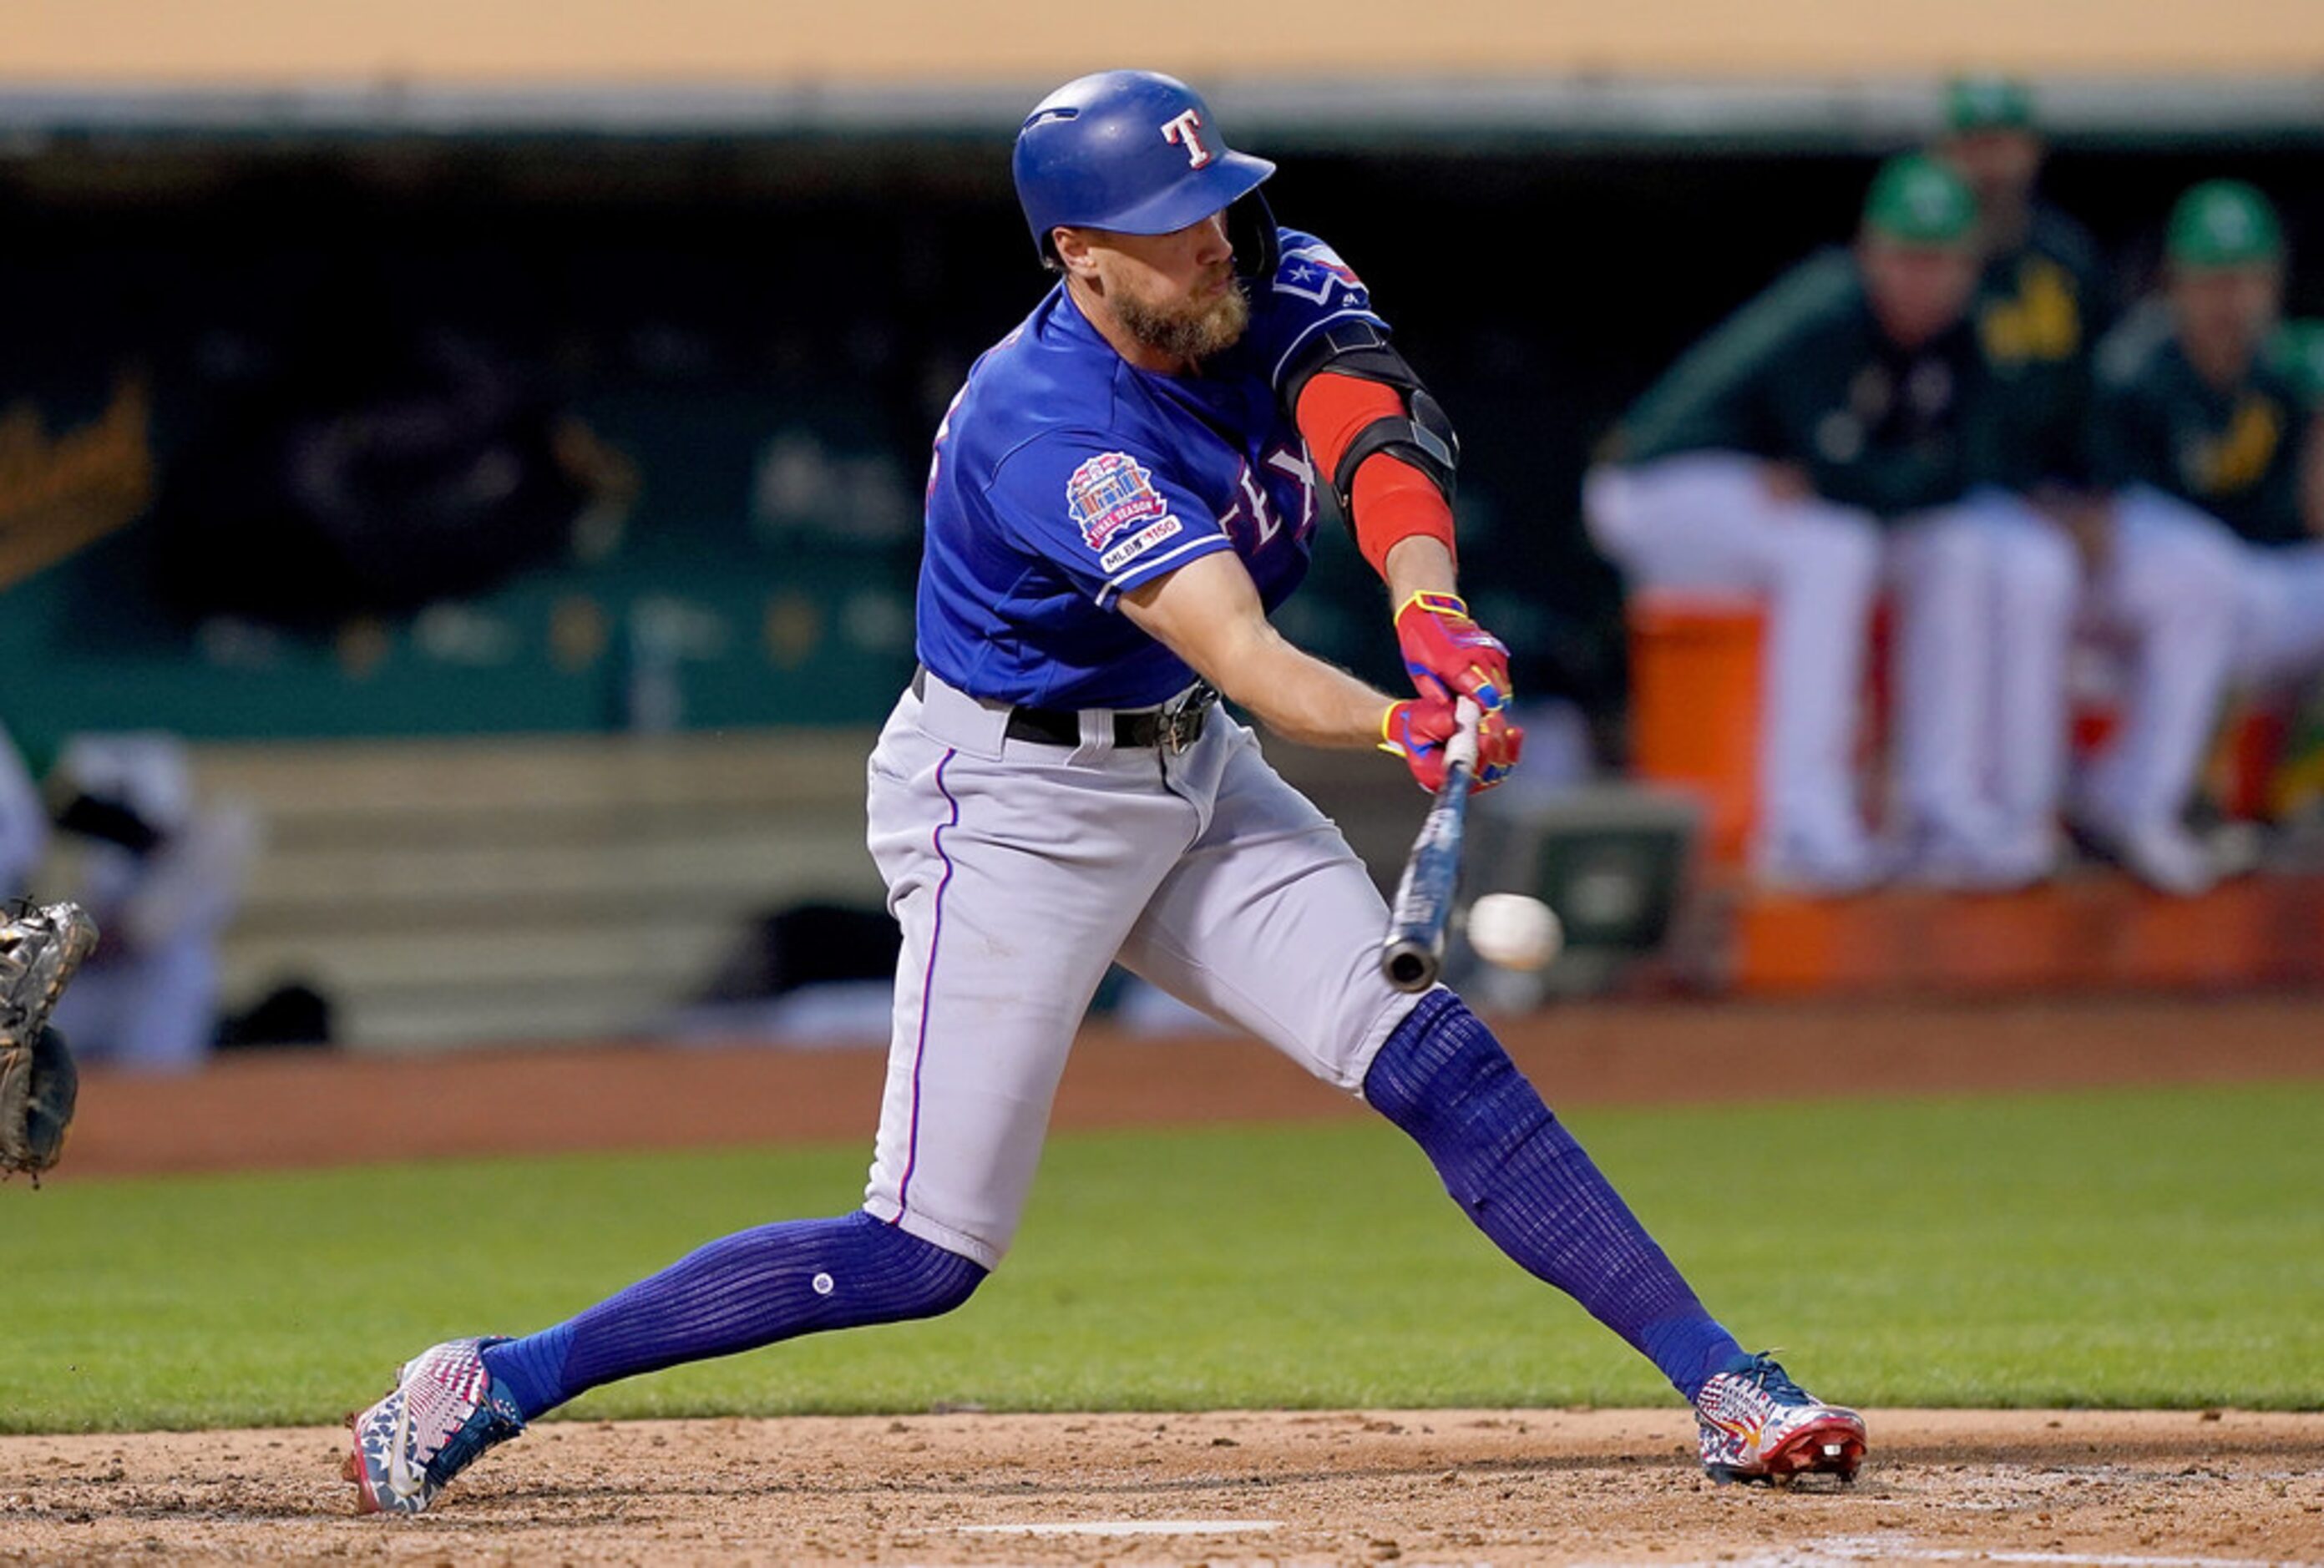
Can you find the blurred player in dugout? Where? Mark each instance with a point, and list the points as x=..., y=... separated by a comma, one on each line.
x=2204, y=434
x=1845, y=432
x=2043, y=303
x=2043, y=300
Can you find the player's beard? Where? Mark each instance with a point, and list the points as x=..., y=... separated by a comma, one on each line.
x=1195, y=330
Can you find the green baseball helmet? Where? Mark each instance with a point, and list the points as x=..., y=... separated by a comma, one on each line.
x=1988, y=102
x=1917, y=200
x=2223, y=223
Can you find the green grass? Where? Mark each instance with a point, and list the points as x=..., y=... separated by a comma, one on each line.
x=2147, y=1249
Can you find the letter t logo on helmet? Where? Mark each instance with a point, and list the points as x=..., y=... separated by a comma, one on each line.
x=1186, y=130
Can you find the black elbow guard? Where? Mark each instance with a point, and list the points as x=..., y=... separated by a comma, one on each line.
x=1421, y=435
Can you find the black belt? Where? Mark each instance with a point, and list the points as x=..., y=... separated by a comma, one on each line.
x=1176, y=726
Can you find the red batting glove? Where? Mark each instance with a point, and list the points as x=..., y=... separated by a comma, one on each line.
x=1498, y=741
x=1448, y=654
x=1417, y=730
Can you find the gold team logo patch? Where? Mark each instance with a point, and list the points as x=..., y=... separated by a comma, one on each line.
x=2237, y=457
x=2042, y=321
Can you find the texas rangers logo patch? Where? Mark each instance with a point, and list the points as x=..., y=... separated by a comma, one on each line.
x=1313, y=271
x=1111, y=493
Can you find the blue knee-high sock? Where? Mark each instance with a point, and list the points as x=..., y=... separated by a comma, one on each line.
x=1518, y=1174
x=746, y=1290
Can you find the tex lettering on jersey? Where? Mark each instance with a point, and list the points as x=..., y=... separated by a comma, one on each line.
x=1256, y=517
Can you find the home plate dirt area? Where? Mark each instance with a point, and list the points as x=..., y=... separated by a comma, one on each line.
x=2190, y=1489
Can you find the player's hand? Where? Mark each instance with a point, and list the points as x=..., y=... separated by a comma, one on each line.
x=1448, y=655
x=1417, y=730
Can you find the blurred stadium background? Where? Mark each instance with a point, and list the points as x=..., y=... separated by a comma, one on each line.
x=489, y=435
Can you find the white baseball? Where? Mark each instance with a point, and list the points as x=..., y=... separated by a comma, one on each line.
x=1514, y=931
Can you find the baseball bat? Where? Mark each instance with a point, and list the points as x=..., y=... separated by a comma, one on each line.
x=1413, y=953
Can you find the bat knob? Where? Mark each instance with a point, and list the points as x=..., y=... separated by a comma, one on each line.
x=1410, y=965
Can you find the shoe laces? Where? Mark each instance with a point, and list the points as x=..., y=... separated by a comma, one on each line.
x=492, y=1422
x=1766, y=1374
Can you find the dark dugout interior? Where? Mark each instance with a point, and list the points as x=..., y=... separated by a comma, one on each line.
x=1537, y=287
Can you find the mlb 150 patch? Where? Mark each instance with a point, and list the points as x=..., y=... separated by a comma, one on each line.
x=1137, y=544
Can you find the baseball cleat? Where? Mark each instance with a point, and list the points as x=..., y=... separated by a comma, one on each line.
x=1989, y=864
x=2162, y=854
x=442, y=1413
x=1759, y=1425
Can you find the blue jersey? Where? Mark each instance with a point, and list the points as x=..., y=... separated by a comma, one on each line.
x=1065, y=477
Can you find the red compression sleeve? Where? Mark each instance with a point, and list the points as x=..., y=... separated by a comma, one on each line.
x=1394, y=501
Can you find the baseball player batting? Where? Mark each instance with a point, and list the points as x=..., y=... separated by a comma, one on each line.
x=1121, y=491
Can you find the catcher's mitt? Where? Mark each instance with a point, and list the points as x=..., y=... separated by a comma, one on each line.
x=40, y=948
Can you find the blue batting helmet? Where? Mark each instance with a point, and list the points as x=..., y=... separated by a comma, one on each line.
x=1131, y=150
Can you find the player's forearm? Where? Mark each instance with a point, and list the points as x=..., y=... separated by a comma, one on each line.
x=1419, y=565
x=1302, y=699
x=1208, y=614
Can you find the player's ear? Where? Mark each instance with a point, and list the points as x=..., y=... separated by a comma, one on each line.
x=1074, y=253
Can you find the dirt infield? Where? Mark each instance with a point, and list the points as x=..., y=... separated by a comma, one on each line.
x=299, y=1109
x=1438, y=1486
